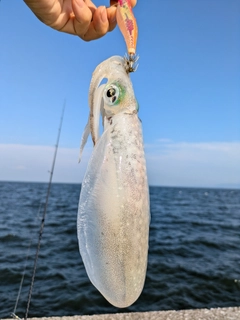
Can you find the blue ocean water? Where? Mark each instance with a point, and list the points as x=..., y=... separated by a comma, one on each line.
x=194, y=251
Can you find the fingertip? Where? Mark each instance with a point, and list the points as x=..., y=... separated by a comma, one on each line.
x=111, y=13
x=103, y=15
x=82, y=17
x=99, y=25
x=100, y=21
x=81, y=11
x=112, y=26
x=133, y=3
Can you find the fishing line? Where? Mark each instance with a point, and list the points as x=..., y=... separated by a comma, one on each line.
x=44, y=215
x=13, y=314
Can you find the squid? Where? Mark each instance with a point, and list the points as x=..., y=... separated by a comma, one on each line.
x=113, y=212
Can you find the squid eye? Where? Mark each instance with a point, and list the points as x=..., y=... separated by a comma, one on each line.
x=111, y=94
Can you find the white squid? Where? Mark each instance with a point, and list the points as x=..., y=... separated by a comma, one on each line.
x=113, y=214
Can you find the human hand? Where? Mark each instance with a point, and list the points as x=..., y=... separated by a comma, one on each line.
x=77, y=17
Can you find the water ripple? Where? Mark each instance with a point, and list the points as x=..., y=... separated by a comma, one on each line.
x=194, y=256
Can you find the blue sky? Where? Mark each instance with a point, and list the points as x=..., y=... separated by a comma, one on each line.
x=187, y=85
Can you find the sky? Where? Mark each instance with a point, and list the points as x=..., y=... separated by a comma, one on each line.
x=187, y=86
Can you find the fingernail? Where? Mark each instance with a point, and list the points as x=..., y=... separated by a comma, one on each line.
x=80, y=3
x=112, y=19
x=112, y=16
x=104, y=15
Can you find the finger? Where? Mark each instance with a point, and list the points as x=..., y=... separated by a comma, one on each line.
x=82, y=17
x=90, y=5
x=99, y=25
x=133, y=3
x=111, y=14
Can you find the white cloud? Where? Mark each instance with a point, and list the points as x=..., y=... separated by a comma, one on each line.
x=169, y=164
x=164, y=140
x=33, y=163
x=194, y=164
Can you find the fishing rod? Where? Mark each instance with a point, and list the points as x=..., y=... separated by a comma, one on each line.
x=44, y=214
x=13, y=314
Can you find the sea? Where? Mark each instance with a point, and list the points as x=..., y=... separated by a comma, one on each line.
x=194, y=252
